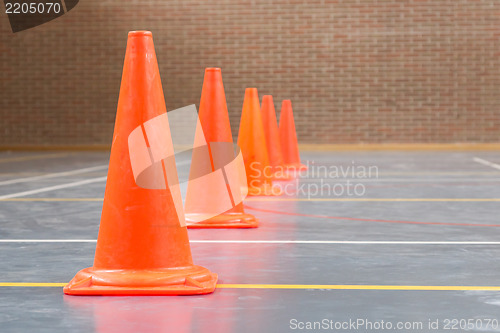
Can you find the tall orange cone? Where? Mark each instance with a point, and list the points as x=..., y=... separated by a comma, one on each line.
x=273, y=139
x=143, y=246
x=214, y=120
x=288, y=137
x=252, y=141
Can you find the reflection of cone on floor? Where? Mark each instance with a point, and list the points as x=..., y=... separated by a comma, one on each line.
x=207, y=195
x=143, y=246
x=252, y=141
x=288, y=136
x=148, y=314
x=273, y=139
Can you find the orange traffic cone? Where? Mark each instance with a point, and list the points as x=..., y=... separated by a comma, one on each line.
x=273, y=139
x=288, y=137
x=209, y=155
x=143, y=246
x=252, y=141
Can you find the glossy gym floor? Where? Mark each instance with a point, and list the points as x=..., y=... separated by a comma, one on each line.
x=415, y=240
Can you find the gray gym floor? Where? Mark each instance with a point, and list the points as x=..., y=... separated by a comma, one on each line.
x=421, y=244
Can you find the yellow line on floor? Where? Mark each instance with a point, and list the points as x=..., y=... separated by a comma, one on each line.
x=353, y=287
x=298, y=286
x=490, y=146
x=48, y=148
x=32, y=157
x=290, y=199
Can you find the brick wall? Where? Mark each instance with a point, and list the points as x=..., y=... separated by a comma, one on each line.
x=356, y=71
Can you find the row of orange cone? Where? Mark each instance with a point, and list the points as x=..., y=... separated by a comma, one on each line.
x=260, y=140
x=143, y=246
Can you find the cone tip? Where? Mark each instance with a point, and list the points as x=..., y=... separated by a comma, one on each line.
x=251, y=93
x=212, y=69
x=140, y=33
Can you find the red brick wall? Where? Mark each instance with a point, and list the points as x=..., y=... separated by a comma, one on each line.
x=356, y=71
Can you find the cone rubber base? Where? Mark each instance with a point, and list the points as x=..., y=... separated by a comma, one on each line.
x=228, y=220
x=192, y=280
x=264, y=190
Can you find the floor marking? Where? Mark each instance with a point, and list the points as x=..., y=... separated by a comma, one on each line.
x=10, y=199
x=229, y=241
x=370, y=220
x=33, y=157
x=438, y=173
x=21, y=173
x=355, y=287
x=487, y=163
x=53, y=188
x=32, y=284
x=347, y=242
x=53, y=175
x=48, y=241
x=381, y=174
x=430, y=186
x=297, y=286
x=396, y=180
x=378, y=199
x=52, y=199
x=58, y=187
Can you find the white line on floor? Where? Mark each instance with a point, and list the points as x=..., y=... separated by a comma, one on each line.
x=402, y=180
x=487, y=163
x=48, y=241
x=32, y=157
x=53, y=175
x=58, y=187
x=53, y=188
x=272, y=242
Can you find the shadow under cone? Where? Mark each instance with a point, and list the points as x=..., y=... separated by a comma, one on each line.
x=143, y=246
